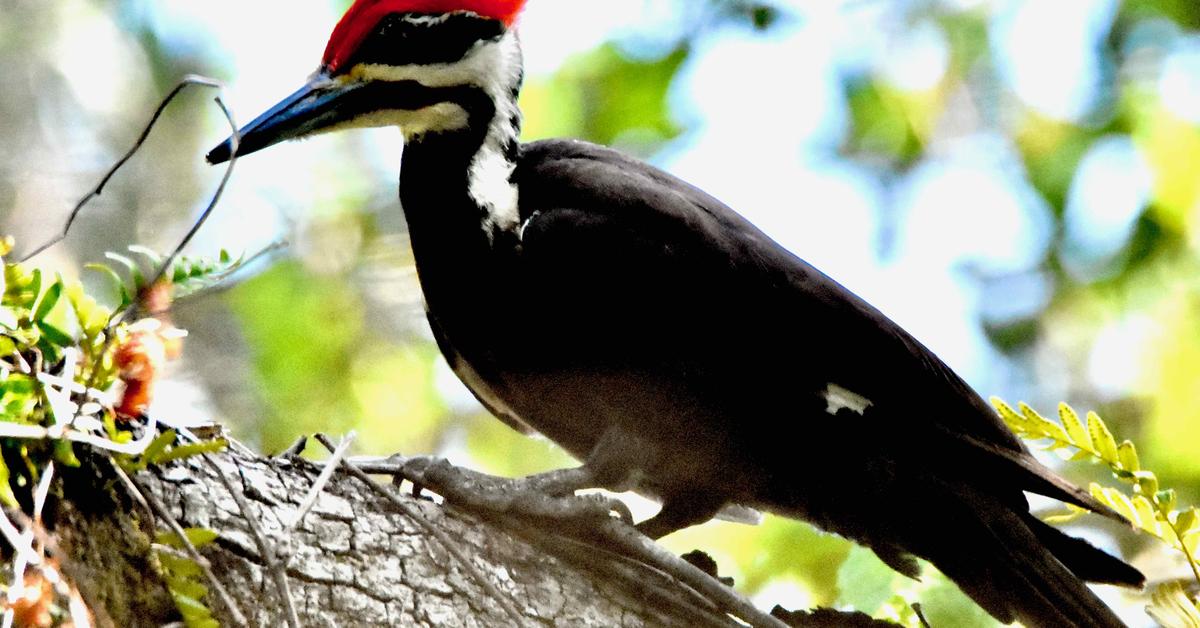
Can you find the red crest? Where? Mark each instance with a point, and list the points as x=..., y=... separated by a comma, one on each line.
x=364, y=16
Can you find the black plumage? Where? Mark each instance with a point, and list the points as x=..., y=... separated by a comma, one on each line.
x=663, y=339
x=638, y=309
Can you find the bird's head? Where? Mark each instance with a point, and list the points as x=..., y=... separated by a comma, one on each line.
x=415, y=64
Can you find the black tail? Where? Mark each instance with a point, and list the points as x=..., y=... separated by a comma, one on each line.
x=1018, y=568
x=1085, y=560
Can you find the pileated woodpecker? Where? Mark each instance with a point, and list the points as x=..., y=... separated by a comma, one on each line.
x=660, y=337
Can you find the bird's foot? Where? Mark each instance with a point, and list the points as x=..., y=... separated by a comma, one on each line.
x=548, y=496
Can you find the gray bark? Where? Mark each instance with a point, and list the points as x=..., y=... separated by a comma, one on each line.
x=353, y=560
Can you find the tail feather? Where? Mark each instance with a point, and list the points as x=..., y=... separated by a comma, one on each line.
x=1085, y=560
x=1013, y=573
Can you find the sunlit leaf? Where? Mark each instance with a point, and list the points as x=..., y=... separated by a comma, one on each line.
x=1185, y=522
x=1075, y=429
x=1015, y=421
x=1127, y=454
x=64, y=454
x=151, y=255
x=1166, y=500
x=7, y=497
x=1047, y=428
x=198, y=537
x=156, y=447
x=187, y=587
x=47, y=301
x=1147, y=514
x=135, y=271
x=192, y=449
x=118, y=284
x=55, y=335
x=1103, y=439
x=1172, y=607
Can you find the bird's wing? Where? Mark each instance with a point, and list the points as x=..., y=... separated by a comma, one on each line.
x=588, y=199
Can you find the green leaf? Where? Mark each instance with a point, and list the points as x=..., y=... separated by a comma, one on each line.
x=1186, y=521
x=1171, y=606
x=150, y=254
x=190, y=608
x=135, y=271
x=179, y=566
x=1147, y=514
x=198, y=537
x=193, y=449
x=156, y=447
x=1122, y=504
x=1165, y=500
x=1015, y=421
x=35, y=284
x=64, y=454
x=117, y=282
x=1147, y=482
x=1103, y=439
x=7, y=497
x=1128, y=456
x=187, y=587
x=55, y=335
x=1075, y=429
x=1045, y=426
x=47, y=301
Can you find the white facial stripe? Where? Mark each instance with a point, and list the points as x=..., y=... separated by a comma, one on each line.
x=438, y=117
x=839, y=399
x=496, y=68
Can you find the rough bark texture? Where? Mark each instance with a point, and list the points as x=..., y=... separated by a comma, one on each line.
x=356, y=561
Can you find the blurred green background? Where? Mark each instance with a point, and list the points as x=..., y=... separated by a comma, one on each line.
x=1017, y=182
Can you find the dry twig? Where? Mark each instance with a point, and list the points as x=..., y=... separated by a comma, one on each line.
x=318, y=487
x=137, y=146
x=270, y=558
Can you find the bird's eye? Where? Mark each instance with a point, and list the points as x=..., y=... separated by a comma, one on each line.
x=419, y=39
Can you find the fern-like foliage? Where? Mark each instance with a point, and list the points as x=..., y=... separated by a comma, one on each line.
x=60, y=365
x=1143, y=502
x=59, y=369
x=186, y=275
x=184, y=577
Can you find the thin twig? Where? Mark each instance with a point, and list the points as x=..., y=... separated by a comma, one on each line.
x=296, y=448
x=133, y=490
x=270, y=557
x=235, y=139
x=42, y=492
x=412, y=513
x=159, y=509
x=99, y=189
x=318, y=487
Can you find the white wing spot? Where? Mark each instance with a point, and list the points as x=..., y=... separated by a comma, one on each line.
x=839, y=399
